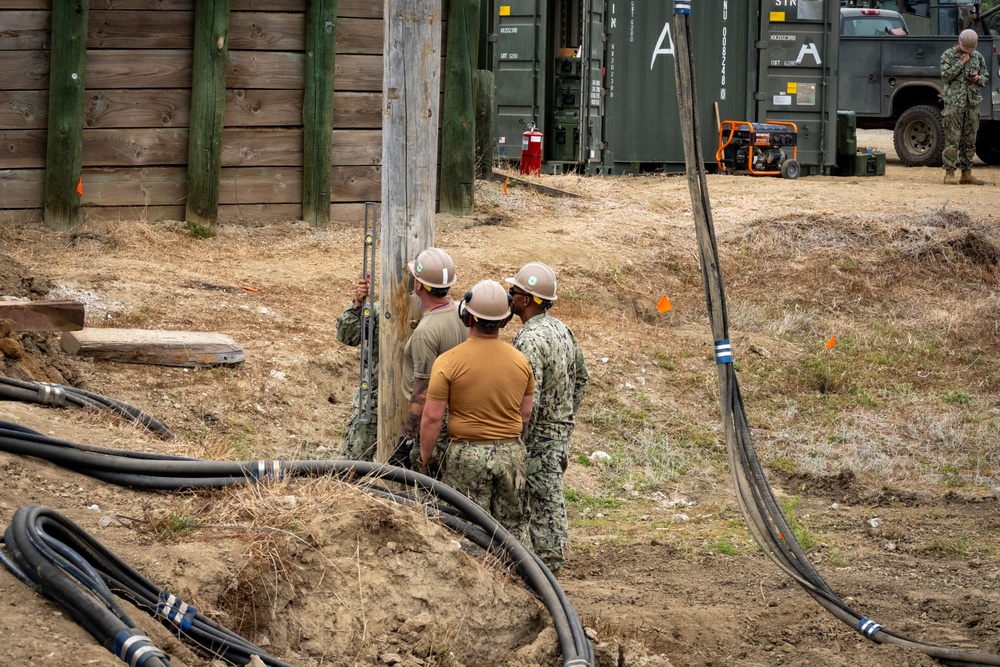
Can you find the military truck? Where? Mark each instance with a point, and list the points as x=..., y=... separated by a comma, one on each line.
x=894, y=82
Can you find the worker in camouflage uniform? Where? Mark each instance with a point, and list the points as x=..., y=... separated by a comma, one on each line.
x=360, y=438
x=964, y=72
x=487, y=388
x=561, y=381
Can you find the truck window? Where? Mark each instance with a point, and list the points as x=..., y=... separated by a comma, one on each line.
x=871, y=26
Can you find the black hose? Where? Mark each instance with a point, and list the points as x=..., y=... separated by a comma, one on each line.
x=58, y=395
x=152, y=471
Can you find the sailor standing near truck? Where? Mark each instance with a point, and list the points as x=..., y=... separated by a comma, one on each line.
x=964, y=72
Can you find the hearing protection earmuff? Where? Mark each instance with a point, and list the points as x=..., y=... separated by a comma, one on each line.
x=464, y=314
x=468, y=319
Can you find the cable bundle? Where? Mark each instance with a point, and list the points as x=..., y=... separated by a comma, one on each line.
x=760, y=510
x=155, y=471
x=57, y=558
x=62, y=396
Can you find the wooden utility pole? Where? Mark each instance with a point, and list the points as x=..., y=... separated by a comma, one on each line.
x=64, y=150
x=317, y=111
x=208, y=101
x=458, y=127
x=410, y=94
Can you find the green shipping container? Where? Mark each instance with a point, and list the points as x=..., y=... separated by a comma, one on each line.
x=613, y=63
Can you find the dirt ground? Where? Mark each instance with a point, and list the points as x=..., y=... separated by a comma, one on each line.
x=349, y=580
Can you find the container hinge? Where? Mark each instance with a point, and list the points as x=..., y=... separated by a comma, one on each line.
x=760, y=45
x=493, y=37
x=759, y=97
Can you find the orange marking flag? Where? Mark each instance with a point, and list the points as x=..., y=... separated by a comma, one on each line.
x=832, y=342
x=79, y=187
x=663, y=305
x=505, y=185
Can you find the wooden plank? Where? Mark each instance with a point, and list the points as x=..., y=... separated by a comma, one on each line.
x=22, y=188
x=169, y=108
x=24, y=30
x=171, y=68
x=190, y=349
x=24, y=109
x=23, y=148
x=43, y=315
x=137, y=108
x=135, y=147
x=124, y=29
x=65, y=131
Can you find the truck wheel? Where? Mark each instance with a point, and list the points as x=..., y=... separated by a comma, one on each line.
x=790, y=169
x=986, y=146
x=919, y=136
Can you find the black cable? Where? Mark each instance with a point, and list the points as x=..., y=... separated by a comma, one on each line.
x=58, y=395
x=763, y=516
x=71, y=567
x=153, y=471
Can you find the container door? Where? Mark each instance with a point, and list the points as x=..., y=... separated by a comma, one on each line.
x=517, y=34
x=797, y=58
x=592, y=101
x=641, y=116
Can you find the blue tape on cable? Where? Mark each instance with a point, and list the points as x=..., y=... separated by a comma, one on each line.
x=867, y=627
x=175, y=610
x=682, y=6
x=723, y=352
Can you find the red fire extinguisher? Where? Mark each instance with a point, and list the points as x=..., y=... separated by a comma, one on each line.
x=531, y=151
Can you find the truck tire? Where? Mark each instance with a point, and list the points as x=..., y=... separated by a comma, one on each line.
x=986, y=146
x=919, y=136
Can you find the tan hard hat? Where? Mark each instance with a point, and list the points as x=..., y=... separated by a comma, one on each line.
x=968, y=40
x=489, y=301
x=536, y=279
x=434, y=268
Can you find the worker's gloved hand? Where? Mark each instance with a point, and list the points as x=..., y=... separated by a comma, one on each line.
x=402, y=455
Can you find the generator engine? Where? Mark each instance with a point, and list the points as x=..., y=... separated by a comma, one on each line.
x=760, y=149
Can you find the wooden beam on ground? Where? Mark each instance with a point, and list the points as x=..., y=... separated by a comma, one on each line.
x=191, y=349
x=410, y=99
x=208, y=101
x=317, y=111
x=537, y=187
x=64, y=150
x=43, y=315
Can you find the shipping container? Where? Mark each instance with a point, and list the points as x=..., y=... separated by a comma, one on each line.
x=597, y=78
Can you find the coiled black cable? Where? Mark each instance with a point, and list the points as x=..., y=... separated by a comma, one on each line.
x=60, y=396
x=153, y=471
x=72, y=568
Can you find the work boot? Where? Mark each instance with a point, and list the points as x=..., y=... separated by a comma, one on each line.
x=949, y=177
x=969, y=179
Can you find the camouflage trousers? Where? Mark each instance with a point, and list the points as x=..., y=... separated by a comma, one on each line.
x=491, y=473
x=549, y=527
x=360, y=438
x=961, y=124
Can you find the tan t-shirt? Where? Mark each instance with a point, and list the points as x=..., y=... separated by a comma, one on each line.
x=438, y=331
x=483, y=381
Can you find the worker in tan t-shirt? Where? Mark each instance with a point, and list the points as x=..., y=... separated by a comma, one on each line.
x=438, y=331
x=487, y=387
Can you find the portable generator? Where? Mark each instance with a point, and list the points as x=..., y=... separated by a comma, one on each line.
x=760, y=149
